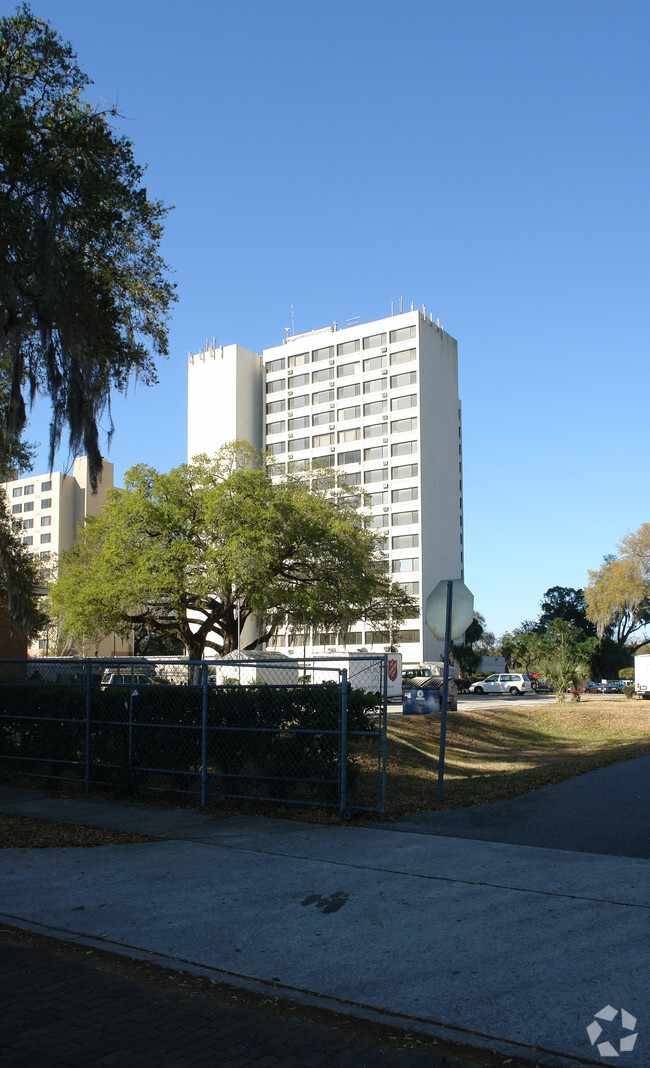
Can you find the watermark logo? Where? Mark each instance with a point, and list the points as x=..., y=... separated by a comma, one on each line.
x=626, y=1041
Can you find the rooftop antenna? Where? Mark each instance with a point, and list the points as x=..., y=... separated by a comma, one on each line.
x=401, y=305
x=293, y=323
x=353, y=321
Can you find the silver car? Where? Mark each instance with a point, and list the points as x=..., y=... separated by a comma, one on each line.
x=513, y=683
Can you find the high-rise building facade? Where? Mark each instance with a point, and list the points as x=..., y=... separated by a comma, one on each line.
x=377, y=401
x=46, y=513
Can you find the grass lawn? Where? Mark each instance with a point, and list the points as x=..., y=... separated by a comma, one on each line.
x=504, y=751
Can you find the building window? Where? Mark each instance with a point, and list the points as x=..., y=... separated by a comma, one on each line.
x=276, y=448
x=299, y=360
x=352, y=478
x=29, y=506
x=323, y=354
x=275, y=470
x=298, y=402
x=320, y=440
x=346, y=370
x=322, y=375
x=377, y=637
x=408, y=636
x=321, y=418
x=407, y=378
x=398, y=404
x=405, y=541
x=408, y=493
x=273, y=407
x=298, y=445
x=45, y=486
x=377, y=521
x=400, y=426
x=377, y=452
x=27, y=524
x=46, y=521
x=404, y=333
x=17, y=491
x=46, y=502
x=28, y=490
x=405, y=471
x=347, y=347
x=353, y=456
x=404, y=519
x=374, y=430
x=276, y=385
x=16, y=508
x=405, y=356
x=323, y=396
x=277, y=427
x=29, y=540
x=275, y=365
x=375, y=499
x=403, y=448
x=376, y=475
x=405, y=563
x=298, y=380
x=411, y=587
x=298, y=422
x=351, y=390
x=375, y=407
x=374, y=384
x=349, y=435
x=350, y=413
x=376, y=363
x=297, y=465
x=374, y=341
x=320, y=462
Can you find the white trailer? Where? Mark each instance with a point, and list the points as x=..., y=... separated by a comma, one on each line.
x=364, y=671
x=642, y=676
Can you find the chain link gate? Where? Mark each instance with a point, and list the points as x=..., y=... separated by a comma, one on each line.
x=294, y=732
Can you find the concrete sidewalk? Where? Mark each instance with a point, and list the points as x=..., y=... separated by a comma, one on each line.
x=503, y=946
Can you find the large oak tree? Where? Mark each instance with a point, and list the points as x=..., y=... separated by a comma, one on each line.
x=184, y=553
x=83, y=293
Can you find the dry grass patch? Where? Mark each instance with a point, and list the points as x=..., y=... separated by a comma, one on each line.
x=504, y=751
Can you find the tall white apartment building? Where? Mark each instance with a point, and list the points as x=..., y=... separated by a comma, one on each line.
x=378, y=401
x=46, y=513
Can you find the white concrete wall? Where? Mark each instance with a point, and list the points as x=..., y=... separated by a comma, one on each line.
x=224, y=399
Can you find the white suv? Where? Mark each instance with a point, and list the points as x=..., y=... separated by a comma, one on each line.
x=512, y=683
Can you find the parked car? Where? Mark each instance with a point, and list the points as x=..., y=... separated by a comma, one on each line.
x=116, y=678
x=512, y=682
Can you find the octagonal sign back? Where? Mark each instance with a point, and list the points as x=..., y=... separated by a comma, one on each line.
x=462, y=609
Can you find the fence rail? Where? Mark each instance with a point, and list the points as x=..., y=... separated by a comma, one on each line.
x=291, y=732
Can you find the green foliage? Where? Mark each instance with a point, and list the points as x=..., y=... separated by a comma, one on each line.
x=83, y=295
x=564, y=662
x=217, y=538
x=626, y=673
x=628, y=691
x=266, y=741
x=568, y=604
x=618, y=593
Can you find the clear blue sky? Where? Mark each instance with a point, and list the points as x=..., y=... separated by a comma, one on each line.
x=487, y=158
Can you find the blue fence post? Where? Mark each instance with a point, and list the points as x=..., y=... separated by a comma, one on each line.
x=343, y=785
x=204, y=736
x=88, y=704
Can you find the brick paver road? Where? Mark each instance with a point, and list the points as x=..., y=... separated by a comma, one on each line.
x=64, y=1004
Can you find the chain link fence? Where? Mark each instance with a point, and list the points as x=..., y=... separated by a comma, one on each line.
x=295, y=732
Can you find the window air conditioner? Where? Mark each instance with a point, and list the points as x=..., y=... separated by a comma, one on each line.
x=384, y=372
x=384, y=349
x=290, y=371
x=384, y=440
x=384, y=394
x=385, y=463
x=290, y=455
x=291, y=434
x=291, y=393
x=332, y=425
